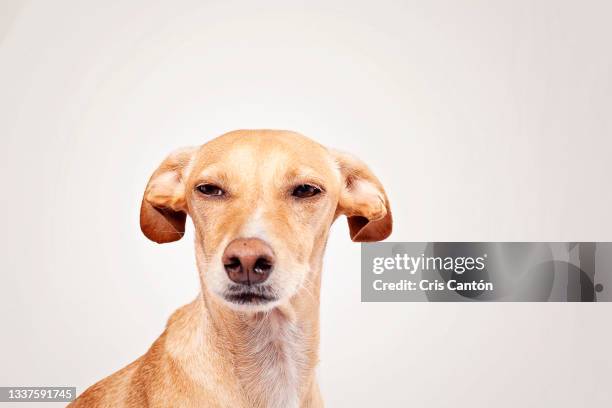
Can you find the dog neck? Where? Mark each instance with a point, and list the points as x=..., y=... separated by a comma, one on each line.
x=273, y=353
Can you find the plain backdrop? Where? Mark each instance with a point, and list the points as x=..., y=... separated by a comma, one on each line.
x=485, y=120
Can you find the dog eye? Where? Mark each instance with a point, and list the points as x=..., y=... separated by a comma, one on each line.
x=210, y=190
x=305, y=191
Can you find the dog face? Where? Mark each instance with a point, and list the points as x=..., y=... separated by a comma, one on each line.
x=262, y=203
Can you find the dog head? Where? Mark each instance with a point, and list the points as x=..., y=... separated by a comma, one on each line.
x=262, y=203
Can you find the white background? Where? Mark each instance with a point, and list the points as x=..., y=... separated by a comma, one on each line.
x=485, y=120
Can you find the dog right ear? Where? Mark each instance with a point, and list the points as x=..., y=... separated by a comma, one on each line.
x=163, y=211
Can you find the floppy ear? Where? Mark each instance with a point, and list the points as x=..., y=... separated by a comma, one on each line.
x=363, y=200
x=163, y=210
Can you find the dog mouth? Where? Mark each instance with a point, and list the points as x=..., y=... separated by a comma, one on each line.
x=252, y=295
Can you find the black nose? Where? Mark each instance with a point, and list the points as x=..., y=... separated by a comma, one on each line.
x=248, y=261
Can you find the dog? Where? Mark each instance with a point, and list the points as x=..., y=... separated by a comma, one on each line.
x=262, y=203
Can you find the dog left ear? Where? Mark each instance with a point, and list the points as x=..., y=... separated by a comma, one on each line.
x=363, y=200
x=163, y=211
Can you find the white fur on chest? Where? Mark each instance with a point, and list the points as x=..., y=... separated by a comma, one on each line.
x=273, y=362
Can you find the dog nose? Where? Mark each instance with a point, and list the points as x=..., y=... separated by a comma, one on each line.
x=248, y=261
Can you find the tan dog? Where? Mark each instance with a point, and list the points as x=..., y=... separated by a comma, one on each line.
x=262, y=203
